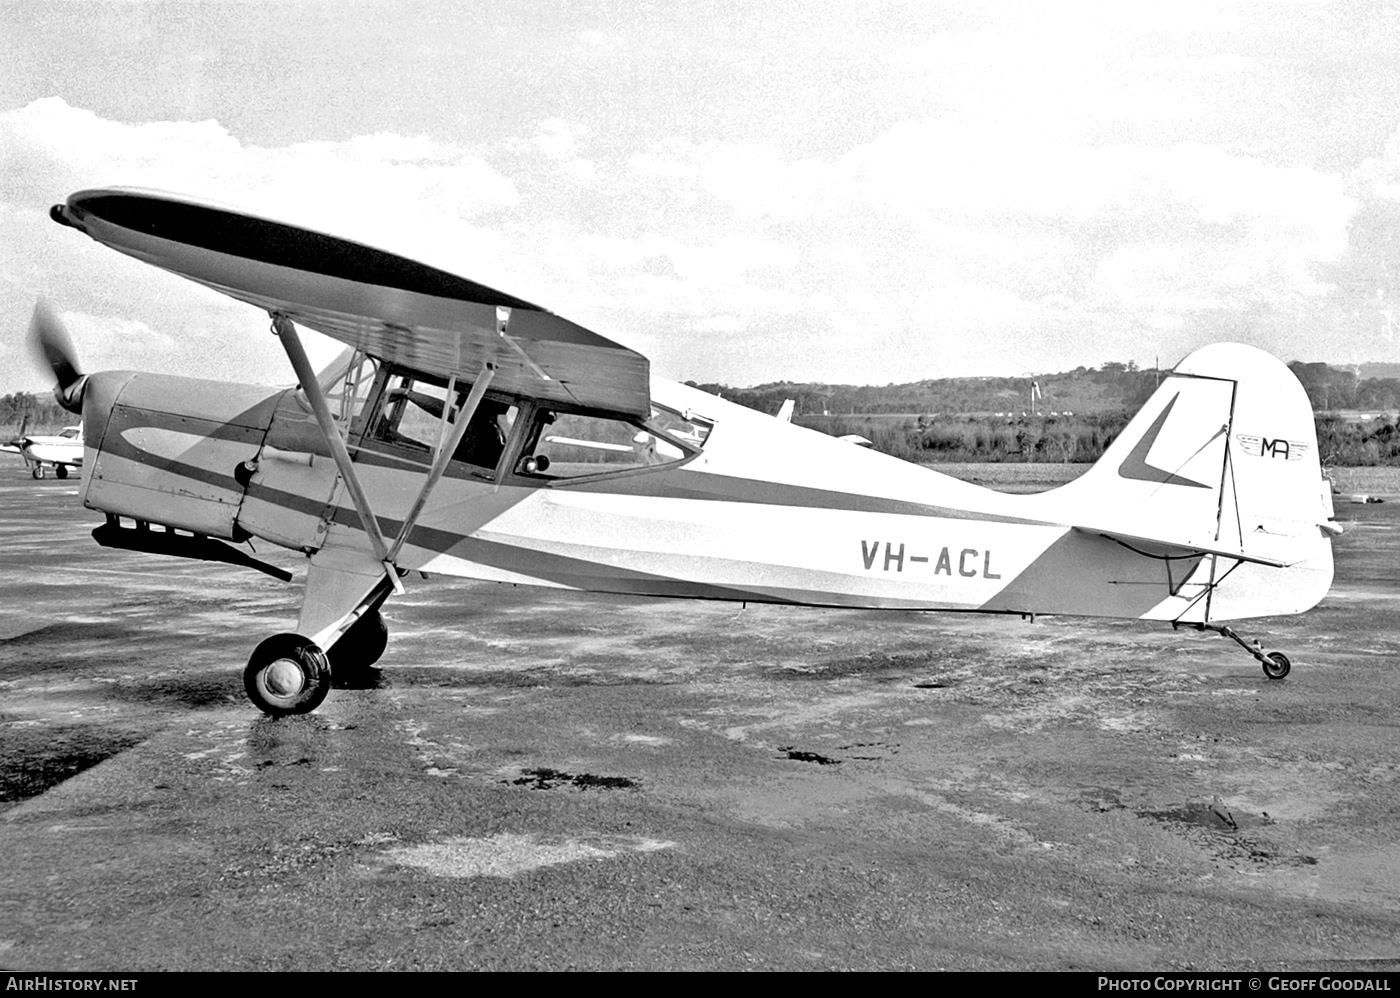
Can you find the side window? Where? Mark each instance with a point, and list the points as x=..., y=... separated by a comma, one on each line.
x=410, y=417
x=485, y=439
x=409, y=413
x=688, y=429
x=347, y=382
x=570, y=445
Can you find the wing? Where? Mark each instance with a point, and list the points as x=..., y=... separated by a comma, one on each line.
x=387, y=305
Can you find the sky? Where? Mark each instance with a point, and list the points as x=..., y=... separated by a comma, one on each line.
x=745, y=192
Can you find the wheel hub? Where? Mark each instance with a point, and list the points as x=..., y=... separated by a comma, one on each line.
x=283, y=678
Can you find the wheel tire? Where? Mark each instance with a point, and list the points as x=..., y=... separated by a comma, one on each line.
x=38, y=471
x=287, y=674
x=60, y=471
x=362, y=645
x=1277, y=665
x=352, y=658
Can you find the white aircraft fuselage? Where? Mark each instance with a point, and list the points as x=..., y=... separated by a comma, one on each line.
x=763, y=511
x=467, y=432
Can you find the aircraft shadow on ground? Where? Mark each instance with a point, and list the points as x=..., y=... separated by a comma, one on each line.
x=35, y=759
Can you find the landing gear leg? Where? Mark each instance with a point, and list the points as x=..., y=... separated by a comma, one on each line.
x=1275, y=663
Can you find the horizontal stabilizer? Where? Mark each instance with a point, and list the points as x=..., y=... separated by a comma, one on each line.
x=1185, y=548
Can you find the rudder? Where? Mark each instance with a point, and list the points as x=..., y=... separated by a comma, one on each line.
x=1222, y=457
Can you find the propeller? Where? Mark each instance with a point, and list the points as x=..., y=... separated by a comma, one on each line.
x=54, y=346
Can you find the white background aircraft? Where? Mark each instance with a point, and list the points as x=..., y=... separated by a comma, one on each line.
x=467, y=432
x=61, y=451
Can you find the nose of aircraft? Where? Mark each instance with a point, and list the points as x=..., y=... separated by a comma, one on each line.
x=99, y=396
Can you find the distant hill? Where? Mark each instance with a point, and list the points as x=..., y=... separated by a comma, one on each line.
x=1112, y=388
x=1376, y=370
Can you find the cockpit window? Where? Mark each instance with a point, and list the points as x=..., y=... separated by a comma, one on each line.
x=485, y=439
x=572, y=445
x=409, y=417
x=688, y=428
x=410, y=413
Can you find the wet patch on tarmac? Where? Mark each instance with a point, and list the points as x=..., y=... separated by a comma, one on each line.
x=886, y=667
x=548, y=779
x=881, y=750
x=1227, y=831
x=1214, y=816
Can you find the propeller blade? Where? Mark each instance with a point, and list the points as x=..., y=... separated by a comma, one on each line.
x=55, y=348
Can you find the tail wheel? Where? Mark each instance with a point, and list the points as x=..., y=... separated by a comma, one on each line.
x=287, y=674
x=1276, y=665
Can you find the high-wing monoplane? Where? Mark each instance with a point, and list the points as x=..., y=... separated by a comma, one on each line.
x=470, y=433
x=62, y=451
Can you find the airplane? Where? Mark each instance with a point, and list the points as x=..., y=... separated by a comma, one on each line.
x=61, y=451
x=467, y=432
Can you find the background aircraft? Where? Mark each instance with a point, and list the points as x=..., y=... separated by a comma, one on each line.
x=60, y=451
x=468, y=432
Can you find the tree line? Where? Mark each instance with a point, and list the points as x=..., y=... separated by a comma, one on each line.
x=40, y=412
x=1110, y=387
x=1075, y=439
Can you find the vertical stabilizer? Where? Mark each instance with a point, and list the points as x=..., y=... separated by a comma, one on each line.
x=1222, y=458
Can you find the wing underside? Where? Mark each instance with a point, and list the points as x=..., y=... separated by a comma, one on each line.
x=387, y=305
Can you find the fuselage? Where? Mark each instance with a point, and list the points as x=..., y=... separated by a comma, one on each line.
x=727, y=503
x=61, y=448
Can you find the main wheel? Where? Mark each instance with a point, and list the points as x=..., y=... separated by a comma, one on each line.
x=287, y=674
x=60, y=471
x=1277, y=665
x=352, y=658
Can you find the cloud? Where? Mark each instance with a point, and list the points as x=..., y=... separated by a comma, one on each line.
x=936, y=245
x=362, y=187
x=1178, y=226
x=1364, y=282
x=559, y=141
x=411, y=194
